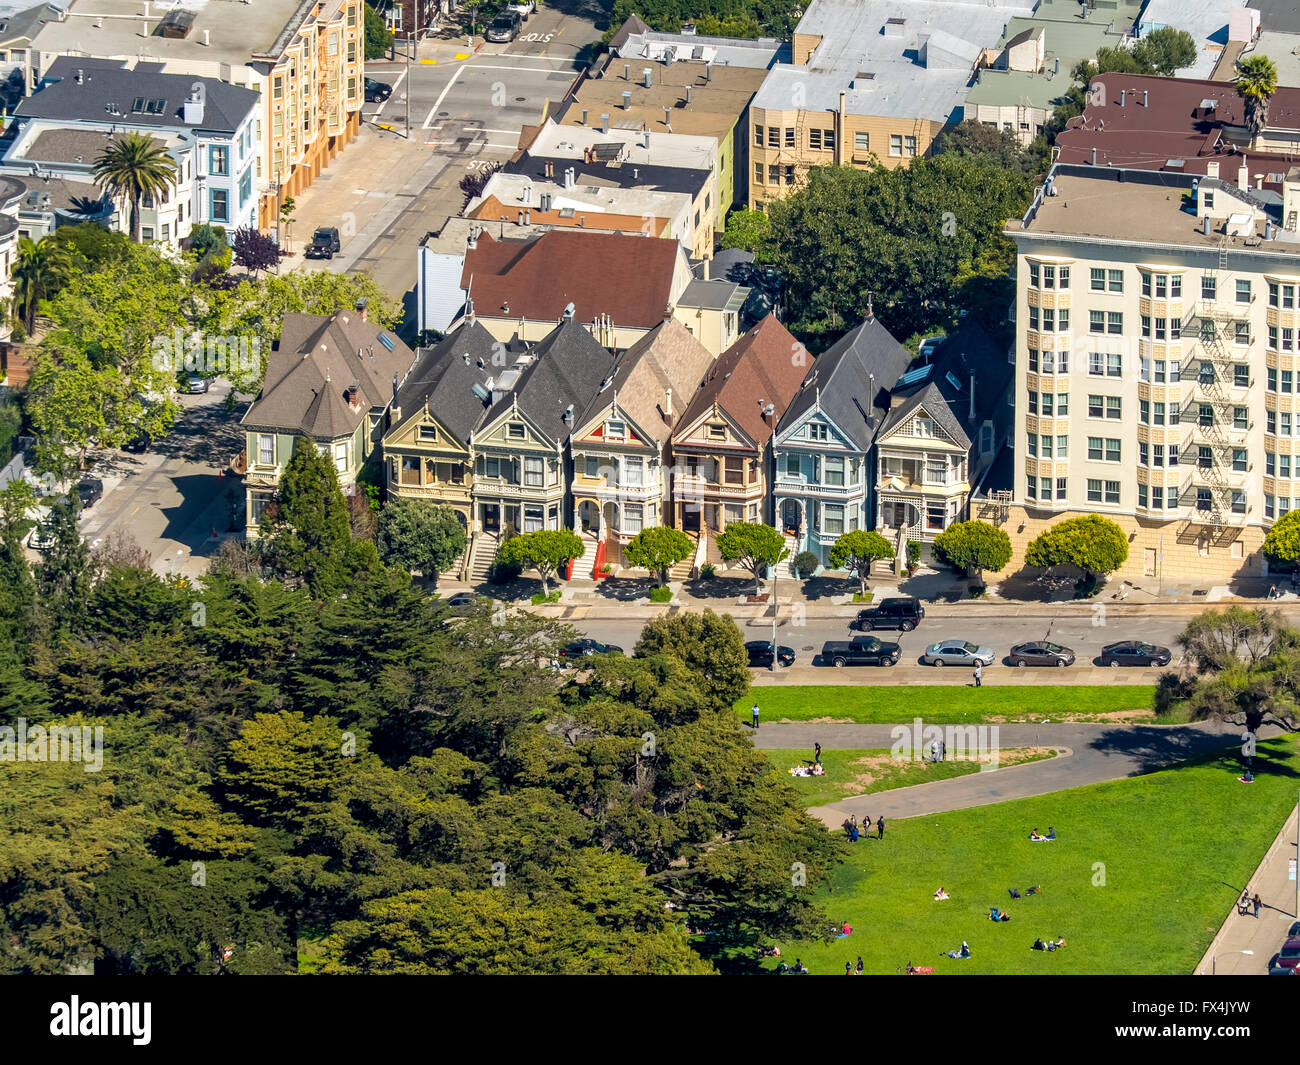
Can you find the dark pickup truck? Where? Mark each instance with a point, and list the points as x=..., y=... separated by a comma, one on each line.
x=860, y=651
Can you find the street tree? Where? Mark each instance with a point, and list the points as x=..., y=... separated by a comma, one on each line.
x=1094, y=544
x=756, y=547
x=420, y=536
x=658, y=549
x=857, y=550
x=975, y=545
x=746, y=229
x=1282, y=544
x=1256, y=82
x=546, y=551
x=709, y=644
x=254, y=250
x=39, y=269
x=131, y=167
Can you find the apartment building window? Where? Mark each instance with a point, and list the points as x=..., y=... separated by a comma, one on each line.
x=1283, y=505
x=758, y=174
x=1033, y=444
x=1288, y=296
x=1203, y=499
x=1112, y=450
x=909, y=146
x=1240, y=418
x=534, y=472
x=923, y=427
x=1094, y=490
x=1033, y=317
x=277, y=88
x=633, y=517
x=1144, y=453
x=1060, y=488
x=1045, y=487
x=789, y=137
x=266, y=449
x=1204, y=415
x=1271, y=379
x=515, y=430
x=1096, y=406
x=789, y=174
x=219, y=205
x=758, y=136
x=1142, y=495
x=1112, y=492
x=1209, y=287
x=774, y=136
x=218, y=160
x=1033, y=402
x=833, y=471
x=1033, y=360
x=1286, y=423
x=734, y=470
x=633, y=469
x=818, y=431
x=1268, y=506
x=1270, y=422
x=1031, y=488
x=1045, y=449
x=833, y=520
x=773, y=174
x=1243, y=291
x=1145, y=320
x=1162, y=328
x=1270, y=464
x=862, y=142
x=1241, y=332
x=896, y=144
x=341, y=457
x=1286, y=380
x=1114, y=322
x=1035, y=277
x=1288, y=339
x=717, y=431
x=1241, y=375
x=533, y=518
x=1047, y=404
x=1096, y=321
x=815, y=140
x=1114, y=407
x=792, y=467
x=1097, y=279
x=1206, y=375
x=1049, y=319
x=1096, y=364
x=1239, y=459
x=1096, y=448
x=1238, y=501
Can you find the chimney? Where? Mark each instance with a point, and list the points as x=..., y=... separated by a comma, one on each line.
x=645, y=75
x=1259, y=181
x=1212, y=169
x=604, y=123
x=528, y=217
x=971, y=415
x=668, y=117
x=568, y=177
x=549, y=169
x=708, y=72
x=1243, y=176
x=395, y=406
x=1268, y=230
x=80, y=77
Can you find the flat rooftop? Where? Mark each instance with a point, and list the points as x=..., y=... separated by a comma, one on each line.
x=114, y=28
x=1281, y=16
x=911, y=58
x=1145, y=208
x=1205, y=20
x=1283, y=48
x=513, y=189
x=633, y=146
x=725, y=51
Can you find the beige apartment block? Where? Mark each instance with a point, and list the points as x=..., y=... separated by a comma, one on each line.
x=1157, y=331
x=305, y=57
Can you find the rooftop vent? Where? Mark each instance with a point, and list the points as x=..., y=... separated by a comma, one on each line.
x=894, y=27
x=176, y=24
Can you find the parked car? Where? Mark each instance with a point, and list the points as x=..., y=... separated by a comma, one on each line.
x=1294, y=930
x=523, y=8
x=860, y=651
x=1040, y=653
x=377, y=91
x=1289, y=956
x=90, y=491
x=570, y=653
x=760, y=653
x=463, y=599
x=41, y=538
x=196, y=383
x=956, y=653
x=324, y=243
x=505, y=27
x=138, y=444
x=1135, y=653
x=902, y=613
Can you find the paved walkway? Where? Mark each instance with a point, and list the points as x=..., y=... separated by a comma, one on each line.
x=1097, y=753
x=1262, y=935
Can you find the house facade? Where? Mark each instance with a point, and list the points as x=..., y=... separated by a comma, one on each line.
x=620, y=444
x=329, y=381
x=822, y=473
x=722, y=444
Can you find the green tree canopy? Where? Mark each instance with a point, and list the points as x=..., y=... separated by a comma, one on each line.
x=379, y=38
x=1283, y=540
x=746, y=229
x=756, y=547
x=546, y=551
x=420, y=536
x=706, y=643
x=856, y=550
x=1166, y=51
x=1094, y=544
x=975, y=545
x=659, y=549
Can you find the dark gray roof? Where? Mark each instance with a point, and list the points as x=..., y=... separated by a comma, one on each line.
x=648, y=176
x=1278, y=16
x=937, y=406
x=841, y=379
x=109, y=82
x=966, y=352
x=567, y=369
x=443, y=379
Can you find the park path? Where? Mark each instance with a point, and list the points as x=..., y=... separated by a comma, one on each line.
x=1097, y=753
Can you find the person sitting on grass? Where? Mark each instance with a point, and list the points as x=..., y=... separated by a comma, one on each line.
x=997, y=915
x=1035, y=890
x=1035, y=837
x=1060, y=942
x=961, y=952
x=1038, y=945
x=940, y=895
x=1051, y=832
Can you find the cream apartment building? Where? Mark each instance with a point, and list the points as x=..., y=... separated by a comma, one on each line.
x=1156, y=366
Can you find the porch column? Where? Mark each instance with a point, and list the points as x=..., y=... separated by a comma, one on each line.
x=805, y=533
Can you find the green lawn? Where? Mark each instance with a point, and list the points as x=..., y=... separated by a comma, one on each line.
x=942, y=704
x=864, y=772
x=1141, y=876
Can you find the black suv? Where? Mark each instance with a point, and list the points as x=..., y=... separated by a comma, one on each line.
x=904, y=614
x=324, y=243
x=377, y=91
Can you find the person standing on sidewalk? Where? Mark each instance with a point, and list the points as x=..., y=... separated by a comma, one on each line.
x=1256, y=903
x=754, y=712
x=817, y=754
x=979, y=673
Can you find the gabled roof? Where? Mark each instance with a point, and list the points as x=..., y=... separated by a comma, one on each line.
x=667, y=357
x=628, y=278
x=936, y=406
x=316, y=360
x=567, y=368
x=851, y=380
x=758, y=369
x=443, y=378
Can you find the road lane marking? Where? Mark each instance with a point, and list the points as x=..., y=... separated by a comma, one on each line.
x=428, y=120
x=380, y=110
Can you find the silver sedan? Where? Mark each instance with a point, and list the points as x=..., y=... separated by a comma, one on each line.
x=957, y=653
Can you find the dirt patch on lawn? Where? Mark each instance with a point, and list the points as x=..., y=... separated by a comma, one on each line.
x=816, y=721
x=1064, y=716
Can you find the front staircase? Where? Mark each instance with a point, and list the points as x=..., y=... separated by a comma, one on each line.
x=583, y=567
x=783, y=570
x=482, y=556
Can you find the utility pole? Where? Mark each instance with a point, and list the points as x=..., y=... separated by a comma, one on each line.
x=776, y=609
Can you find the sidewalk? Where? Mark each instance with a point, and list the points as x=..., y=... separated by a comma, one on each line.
x=1265, y=934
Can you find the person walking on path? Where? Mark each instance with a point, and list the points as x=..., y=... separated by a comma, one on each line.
x=754, y=711
x=817, y=754
x=1256, y=903
x=1243, y=903
x=880, y=828
x=979, y=673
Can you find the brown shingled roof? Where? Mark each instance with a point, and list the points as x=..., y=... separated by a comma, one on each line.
x=760, y=366
x=629, y=278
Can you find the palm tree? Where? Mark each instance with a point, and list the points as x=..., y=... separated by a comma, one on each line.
x=1256, y=83
x=39, y=270
x=134, y=166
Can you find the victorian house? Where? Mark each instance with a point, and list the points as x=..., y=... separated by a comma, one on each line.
x=822, y=471
x=621, y=441
x=722, y=442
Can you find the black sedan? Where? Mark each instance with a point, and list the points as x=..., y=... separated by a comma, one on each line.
x=139, y=444
x=1135, y=653
x=760, y=653
x=90, y=491
x=377, y=91
x=1040, y=653
x=462, y=599
x=572, y=653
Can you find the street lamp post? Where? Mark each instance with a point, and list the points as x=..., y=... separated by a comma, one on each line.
x=1214, y=961
x=776, y=609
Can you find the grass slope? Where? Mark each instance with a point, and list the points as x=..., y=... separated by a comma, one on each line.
x=1139, y=880
x=942, y=704
x=847, y=770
